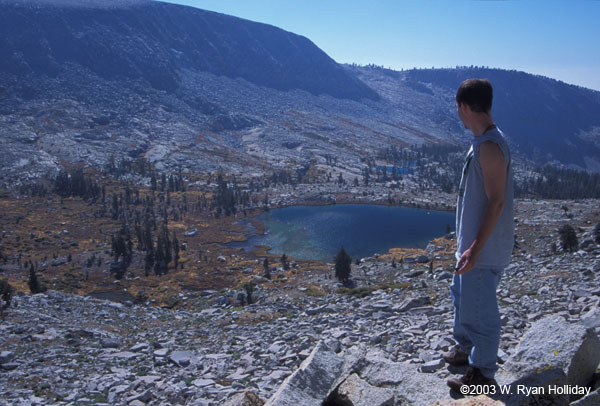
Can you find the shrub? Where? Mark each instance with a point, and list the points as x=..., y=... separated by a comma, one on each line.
x=315, y=291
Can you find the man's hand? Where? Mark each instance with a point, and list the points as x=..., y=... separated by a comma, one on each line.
x=467, y=262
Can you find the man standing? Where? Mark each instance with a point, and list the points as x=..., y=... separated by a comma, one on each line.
x=485, y=234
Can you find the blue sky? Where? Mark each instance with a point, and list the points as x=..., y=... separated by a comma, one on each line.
x=553, y=38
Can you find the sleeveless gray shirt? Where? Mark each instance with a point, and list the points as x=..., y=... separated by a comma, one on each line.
x=472, y=202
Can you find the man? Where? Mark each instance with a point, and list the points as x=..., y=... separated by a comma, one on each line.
x=485, y=234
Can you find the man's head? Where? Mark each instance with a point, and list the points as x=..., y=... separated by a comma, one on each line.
x=475, y=93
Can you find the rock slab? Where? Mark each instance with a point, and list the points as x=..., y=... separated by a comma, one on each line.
x=310, y=384
x=357, y=392
x=553, y=343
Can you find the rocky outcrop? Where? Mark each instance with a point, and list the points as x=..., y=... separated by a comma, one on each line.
x=311, y=383
x=554, y=344
x=553, y=354
x=554, y=364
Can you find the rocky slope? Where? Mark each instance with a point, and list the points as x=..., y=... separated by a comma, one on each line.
x=66, y=350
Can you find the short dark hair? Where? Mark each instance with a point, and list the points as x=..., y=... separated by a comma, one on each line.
x=475, y=93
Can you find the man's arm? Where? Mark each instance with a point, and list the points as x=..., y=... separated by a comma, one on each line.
x=493, y=167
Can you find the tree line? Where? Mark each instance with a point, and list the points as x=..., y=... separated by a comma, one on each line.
x=550, y=182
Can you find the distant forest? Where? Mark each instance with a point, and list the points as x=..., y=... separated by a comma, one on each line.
x=555, y=183
x=440, y=166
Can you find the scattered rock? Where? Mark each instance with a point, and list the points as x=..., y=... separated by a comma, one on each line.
x=413, y=303
x=432, y=366
x=6, y=357
x=191, y=233
x=110, y=342
x=181, y=358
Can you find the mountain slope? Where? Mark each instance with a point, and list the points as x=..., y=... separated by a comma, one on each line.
x=184, y=88
x=548, y=120
x=155, y=40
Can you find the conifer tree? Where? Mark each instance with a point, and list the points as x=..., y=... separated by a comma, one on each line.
x=568, y=238
x=249, y=288
x=342, y=265
x=159, y=261
x=284, y=262
x=115, y=207
x=148, y=260
x=153, y=182
x=35, y=286
x=6, y=292
x=175, y=250
x=267, y=270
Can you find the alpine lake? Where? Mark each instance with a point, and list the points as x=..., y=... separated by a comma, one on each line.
x=318, y=232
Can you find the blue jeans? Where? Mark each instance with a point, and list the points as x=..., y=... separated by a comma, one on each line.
x=477, y=318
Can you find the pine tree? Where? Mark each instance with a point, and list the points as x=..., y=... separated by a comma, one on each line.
x=249, y=288
x=6, y=292
x=35, y=286
x=175, y=250
x=568, y=238
x=597, y=233
x=267, y=270
x=148, y=261
x=284, y=262
x=153, y=182
x=342, y=265
x=115, y=207
x=159, y=260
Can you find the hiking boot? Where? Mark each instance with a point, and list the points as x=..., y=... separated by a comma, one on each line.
x=456, y=357
x=471, y=383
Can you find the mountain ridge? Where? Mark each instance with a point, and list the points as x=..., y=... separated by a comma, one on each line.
x=57, y=107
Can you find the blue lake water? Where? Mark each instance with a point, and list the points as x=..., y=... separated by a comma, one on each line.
x=317, y=232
